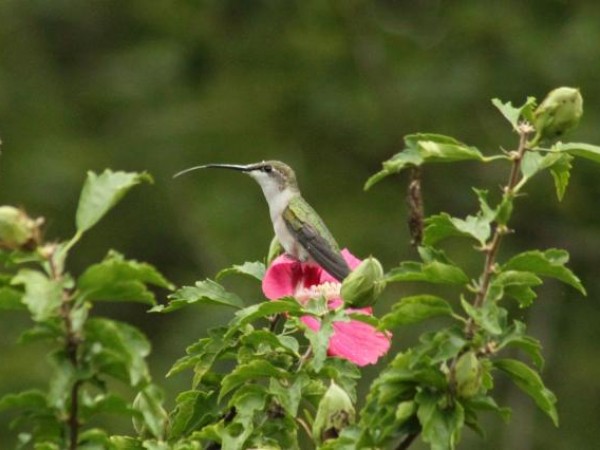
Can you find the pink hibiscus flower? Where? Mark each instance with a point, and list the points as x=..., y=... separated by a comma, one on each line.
x=355, y=341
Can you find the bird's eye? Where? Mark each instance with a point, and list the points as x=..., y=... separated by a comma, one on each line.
x=267, y=168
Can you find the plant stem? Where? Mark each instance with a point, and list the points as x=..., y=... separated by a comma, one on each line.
x=493, y=245
x=72, y=342
x=414, y=199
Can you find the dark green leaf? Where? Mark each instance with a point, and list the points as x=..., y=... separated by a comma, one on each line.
x=441, y=425
x=117, y=279
x=588, y=151
x=42, y=297
x=550, y=263
x=487, y=403
x=204, y=292
x=117, y=349
x=415, y=309
x=244, y=373
x=101, y=192
x=251, y=269
x=194, y=410
x=289, y=395
x=529, y=381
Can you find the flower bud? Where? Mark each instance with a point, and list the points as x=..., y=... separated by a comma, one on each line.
x=558, y=113
x=364, y=284
x=17, y=230
x=335, y=412
x=467, y=375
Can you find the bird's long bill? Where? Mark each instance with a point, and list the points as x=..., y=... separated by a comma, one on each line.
x=242, y=168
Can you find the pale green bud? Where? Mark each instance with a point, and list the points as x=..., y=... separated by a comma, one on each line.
x=17, y=230
x=468, y=375
x=364, y=284
x=558, y=113
x=335, y=412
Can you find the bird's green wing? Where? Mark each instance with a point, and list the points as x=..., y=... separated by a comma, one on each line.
x=304, y=223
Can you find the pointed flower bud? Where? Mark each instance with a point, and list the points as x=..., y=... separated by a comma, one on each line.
x=558, y=113
x=467, y=375
x=335, y=412
x=364, y=284
x=17, y=230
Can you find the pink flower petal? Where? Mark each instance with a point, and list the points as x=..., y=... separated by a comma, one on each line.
x=285, y=275
x=311, y=322
x=352, y=261
x=358, y=342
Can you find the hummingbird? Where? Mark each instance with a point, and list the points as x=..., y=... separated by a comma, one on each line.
x=299, y=229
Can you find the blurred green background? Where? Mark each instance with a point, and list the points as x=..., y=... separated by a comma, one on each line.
x=329, y=87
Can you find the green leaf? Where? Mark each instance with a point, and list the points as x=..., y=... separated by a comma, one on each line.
x=149, y=402
x=415, y=309
x=587, y=151
x=421, y=148
x=125, y=443
x=442, y=226
x=534, y=162
x=117, y=279
x=33, y=399
x=103, y=403
x=512, y=114
x=101, y=192
x=516, y=337
x=489, y=316
x=529, y=381
x=117, y=349
x=194, y=410
x=319, y=341
x=11, y=299
x=441, y=425
x=244, y=373
x=516, y=284
x=261, y=340
x=202, y=354
x=289, y=395
x=252, y=269
x=550, y=263
x=42, y=297
x=432, y=272
x=561, y=172
x=487, y=403
x=203, y=293
x=268, y=308
x=61, y=383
